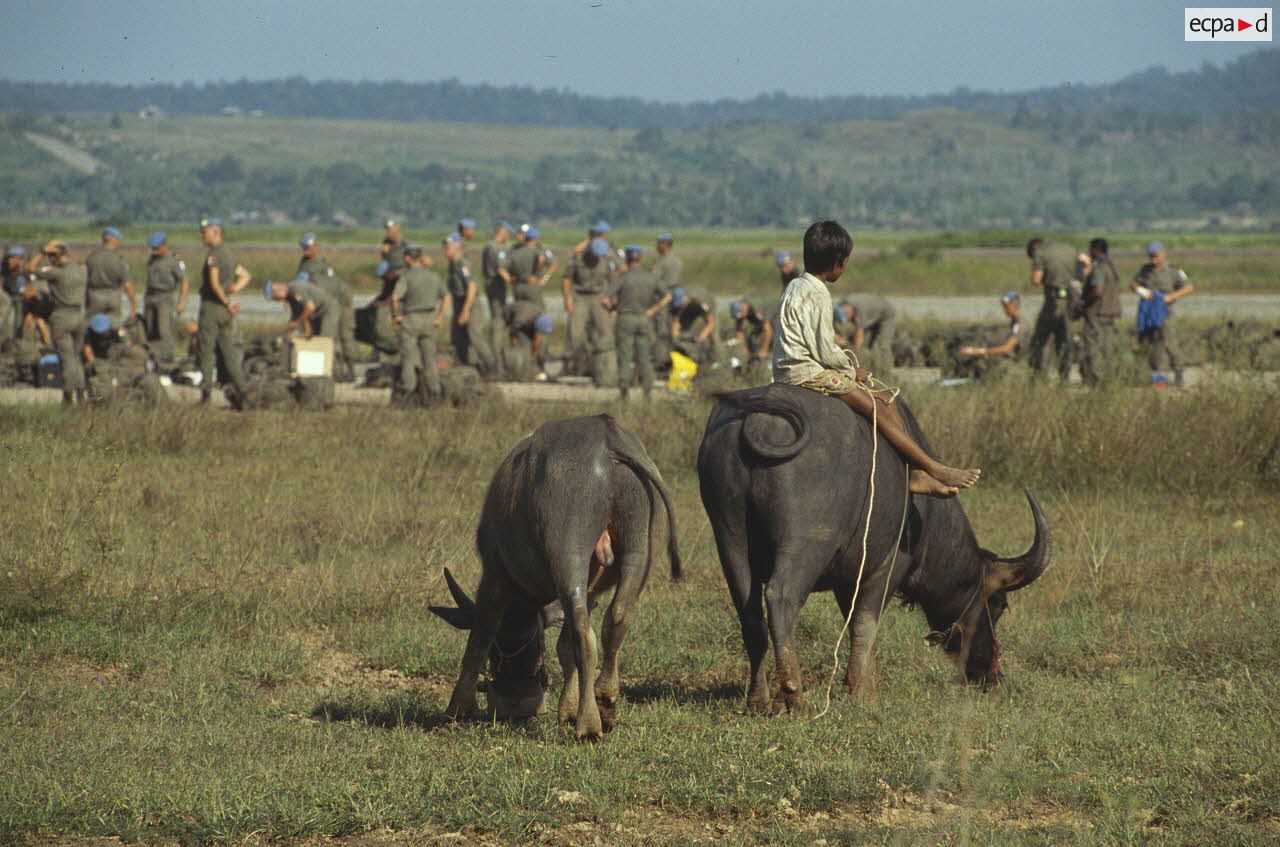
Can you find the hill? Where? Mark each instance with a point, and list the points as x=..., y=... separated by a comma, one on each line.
x=1246, y=84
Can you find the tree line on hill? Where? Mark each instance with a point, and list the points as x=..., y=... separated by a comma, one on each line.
x=1247, y=84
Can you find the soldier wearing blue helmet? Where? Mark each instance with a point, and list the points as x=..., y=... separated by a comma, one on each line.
x=166, y=298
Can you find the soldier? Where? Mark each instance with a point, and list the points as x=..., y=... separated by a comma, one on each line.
x=321, y=273
x=753, y=328
x=497, y=280
x=667, y=266
x=418, y=302
x=222, y=277
x=586, y=280
x=12, y=279
x=873, y=317
x=1158, y=282
x=310, y=306
x=636, y=297
x=67, y=285
x=1101, y=302
x=693, y=324
x=468, y=344
x=109, y=275
x=787, y=269
x=526, y=317
x=392, y=261
x=166, y=274
x=467, y=230
x=1011, y=303
x=1053, y=267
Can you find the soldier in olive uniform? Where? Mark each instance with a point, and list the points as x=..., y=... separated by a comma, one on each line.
x=418, y=303
x=67, y=285
x=12, y=279
x=1053, y=268
x=873, y=317
x=1157, y=278
x=109, y=276
x=1011, y=304
x=310, y=306
x=636, y=297
x=693, y=324
x=1101, y=302
x=166, y=278
x=787, y=268
x=466, y=231
x=668, y=268
x=587, y=278
x=753, y=327
x=526, y=317
x=222, y=277
x=465, y=333
x=497, y=281
x=321, y=273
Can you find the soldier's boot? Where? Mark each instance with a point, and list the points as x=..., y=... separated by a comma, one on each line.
x=624, y=391
x=206, y=396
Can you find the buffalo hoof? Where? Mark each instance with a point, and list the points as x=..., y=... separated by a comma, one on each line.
x=567, y=711
x=461, y=706
x=590, y=730
x=862, y=691
x=787, y=701
x=608, y=713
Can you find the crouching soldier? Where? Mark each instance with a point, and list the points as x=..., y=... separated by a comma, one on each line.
x=693, y=324
x=322, y=274
x=310, y=306
x=753, y=328
x=636, y=297
x=418, y=303
x=1011, y=304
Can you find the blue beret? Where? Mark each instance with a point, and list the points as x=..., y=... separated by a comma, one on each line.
x=737, y=309
x=385, y=266
x=303, y=276
x=466, y=223
x=678, y=297
x=507, y=226
x=100, y=323
x=634, y=250
x=600, y=227
x=1154, y=247
x=268, y=290
x=155, y=239
x=451, y=238
x=1009, y=297
x=205, y=223
x=598, y=247
x=16, y=250
x=840, y=314
x=307, y=239
x=113, y=232
x=782, y=257
x=667, y=237
x=532, y=232
x=543, y=324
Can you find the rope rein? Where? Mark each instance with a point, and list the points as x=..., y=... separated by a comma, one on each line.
x=866, y=532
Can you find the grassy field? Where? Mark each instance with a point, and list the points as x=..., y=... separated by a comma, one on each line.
x=214, y=629
x=733, y=262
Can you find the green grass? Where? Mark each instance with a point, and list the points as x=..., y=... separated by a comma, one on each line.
x=214, y=628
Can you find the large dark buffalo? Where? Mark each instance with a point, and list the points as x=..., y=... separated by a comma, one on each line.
x=569, y=514
x=785, y=478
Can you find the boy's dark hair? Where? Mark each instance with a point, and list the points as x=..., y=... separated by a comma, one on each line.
x=1032, y=246
x=1099, y=244
x=826, y=244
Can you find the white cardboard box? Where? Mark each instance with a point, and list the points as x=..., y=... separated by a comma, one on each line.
x=311, y=357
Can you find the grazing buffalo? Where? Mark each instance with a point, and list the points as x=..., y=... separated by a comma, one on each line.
x=785, y=476
x=568, y=515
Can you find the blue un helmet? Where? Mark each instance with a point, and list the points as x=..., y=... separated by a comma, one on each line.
x=155, y=239
x=268, y=289
x=383, y=267
x=737, y=309
x=543, y=324
x=599, y=248
x=100, y=324
x=840, y=313
x=678, y=298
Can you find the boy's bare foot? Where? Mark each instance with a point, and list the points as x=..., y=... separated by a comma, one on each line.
x=957, y=477
x=921, y=483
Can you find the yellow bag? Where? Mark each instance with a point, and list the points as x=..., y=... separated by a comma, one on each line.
x=683, y=370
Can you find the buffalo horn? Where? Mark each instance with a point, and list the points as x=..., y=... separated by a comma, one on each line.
x=465, y=614
x=1025, y=569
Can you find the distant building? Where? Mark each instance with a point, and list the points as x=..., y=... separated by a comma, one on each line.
x=577, y=187
x=231, y=111
x=148, y=112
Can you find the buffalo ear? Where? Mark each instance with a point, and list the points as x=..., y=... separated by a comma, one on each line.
x=463, y=617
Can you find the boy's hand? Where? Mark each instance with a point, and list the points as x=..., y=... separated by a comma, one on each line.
x=861, y=374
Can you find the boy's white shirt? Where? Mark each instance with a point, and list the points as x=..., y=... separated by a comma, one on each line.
x=804, y=340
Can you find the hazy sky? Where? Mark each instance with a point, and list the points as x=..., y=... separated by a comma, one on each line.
x=655, y=49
